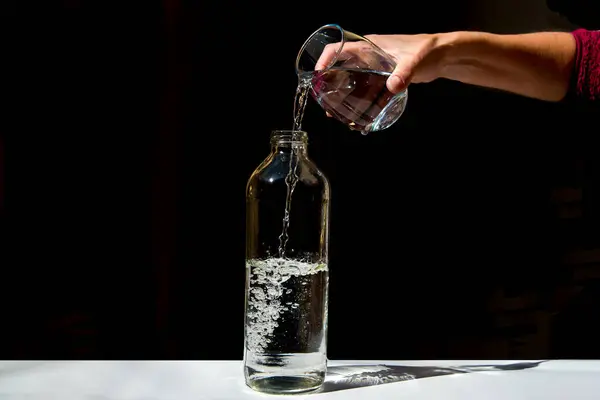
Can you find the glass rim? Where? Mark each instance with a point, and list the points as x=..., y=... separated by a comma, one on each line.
x=309, y=39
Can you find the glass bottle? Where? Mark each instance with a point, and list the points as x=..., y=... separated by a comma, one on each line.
x=287, y=235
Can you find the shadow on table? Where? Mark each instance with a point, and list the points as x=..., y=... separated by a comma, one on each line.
x=342, y=377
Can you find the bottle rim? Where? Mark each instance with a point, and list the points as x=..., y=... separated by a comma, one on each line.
x=289, y=136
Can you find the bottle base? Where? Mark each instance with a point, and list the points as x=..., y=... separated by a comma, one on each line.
x=281, y=373
x=285, y=384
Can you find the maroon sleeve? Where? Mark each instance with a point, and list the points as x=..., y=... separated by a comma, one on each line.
x=585, y=83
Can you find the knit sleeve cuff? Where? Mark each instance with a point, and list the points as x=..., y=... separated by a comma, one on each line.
x=585, y=79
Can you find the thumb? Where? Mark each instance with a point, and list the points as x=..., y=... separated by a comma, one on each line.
x=400, y=78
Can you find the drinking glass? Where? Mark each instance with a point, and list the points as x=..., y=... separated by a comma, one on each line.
x=346, y=74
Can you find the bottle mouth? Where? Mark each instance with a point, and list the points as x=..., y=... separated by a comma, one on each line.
x=289, y=136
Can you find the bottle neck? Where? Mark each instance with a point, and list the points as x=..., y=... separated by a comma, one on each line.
x=286, y=148
x=288, y=142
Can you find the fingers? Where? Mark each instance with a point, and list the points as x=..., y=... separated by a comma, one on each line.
x=396, y=84
x=327, y=56
x=331, y=52
x=401, y=77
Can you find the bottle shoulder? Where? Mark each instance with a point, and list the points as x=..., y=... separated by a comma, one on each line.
x=274, y=170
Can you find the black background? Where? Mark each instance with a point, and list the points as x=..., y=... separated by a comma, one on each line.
x=138, y=124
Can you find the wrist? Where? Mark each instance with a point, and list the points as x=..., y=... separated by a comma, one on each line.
x=456, y=50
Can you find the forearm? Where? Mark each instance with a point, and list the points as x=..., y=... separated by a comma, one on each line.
x=536, y=65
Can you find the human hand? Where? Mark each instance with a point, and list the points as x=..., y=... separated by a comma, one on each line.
x=418, y=58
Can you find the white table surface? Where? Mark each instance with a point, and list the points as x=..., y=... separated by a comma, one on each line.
x=223, y=380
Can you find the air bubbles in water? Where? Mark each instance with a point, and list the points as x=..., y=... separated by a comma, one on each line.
x=268, y=283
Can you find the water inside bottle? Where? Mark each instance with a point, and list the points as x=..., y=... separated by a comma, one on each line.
x=285, y=335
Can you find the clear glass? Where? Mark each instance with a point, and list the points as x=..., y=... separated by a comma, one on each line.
x=286, y=270
x=347, y=76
